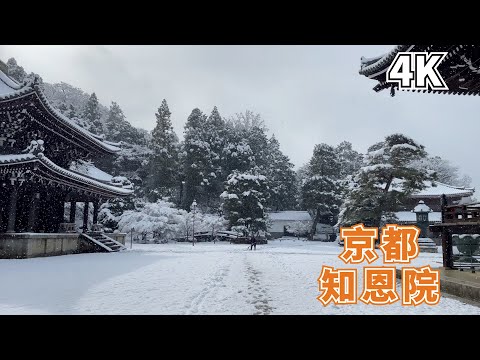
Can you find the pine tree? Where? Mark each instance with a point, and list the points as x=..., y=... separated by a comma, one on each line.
x=388, y=177
x=321, y=190
x=91, y=113
x=245, y=198
x=163, y=180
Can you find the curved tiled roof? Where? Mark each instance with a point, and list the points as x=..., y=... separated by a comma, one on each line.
x=371, y=66
x=7, y=85
x=31, y=86
x=89, y=182
x=85, y=179
x=441, y=188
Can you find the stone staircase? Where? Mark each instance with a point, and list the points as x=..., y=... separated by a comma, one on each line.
x=103, y=241
x=427, y=245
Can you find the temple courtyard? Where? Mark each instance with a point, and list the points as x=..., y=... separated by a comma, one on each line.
x=178, y=278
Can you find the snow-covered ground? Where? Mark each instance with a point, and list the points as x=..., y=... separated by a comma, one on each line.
x=278, y=278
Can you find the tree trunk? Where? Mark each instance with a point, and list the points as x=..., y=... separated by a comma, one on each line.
x=382, y=201
x=314, y=225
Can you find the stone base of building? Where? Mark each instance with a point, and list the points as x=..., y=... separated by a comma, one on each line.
x=29, y=245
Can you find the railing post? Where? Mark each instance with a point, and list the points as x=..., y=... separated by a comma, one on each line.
x=447, y=243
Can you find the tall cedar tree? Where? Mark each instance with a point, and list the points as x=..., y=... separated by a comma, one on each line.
x=91, y=113
x=163, y=180
x=196, y=159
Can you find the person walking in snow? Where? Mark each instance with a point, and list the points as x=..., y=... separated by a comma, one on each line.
x=253, y=243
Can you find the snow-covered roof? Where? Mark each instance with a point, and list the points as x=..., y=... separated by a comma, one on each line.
x=74, y=179
x=440, y=189
x=290, y=216
x=88, y=169
x=421, y=207
x=370, y=67
x=82, y=178
x=7, y=84
x=16, y=158
x=10, y=89
x=411, y=217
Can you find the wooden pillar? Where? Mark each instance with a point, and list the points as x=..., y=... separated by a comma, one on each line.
x=1, y=217
x=60, y=212
x=32, y=215
x=12, y=210
x=447, y=248
x=95, y=211
x=73, y=209
x=447, y=243
x=85, y=216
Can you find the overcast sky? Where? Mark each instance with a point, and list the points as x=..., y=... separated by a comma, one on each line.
x=305, y=94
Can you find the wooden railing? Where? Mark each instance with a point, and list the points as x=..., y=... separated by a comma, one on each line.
x=67, y=228
x=462, y=213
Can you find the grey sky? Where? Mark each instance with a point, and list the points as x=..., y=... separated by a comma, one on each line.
x=305, y=94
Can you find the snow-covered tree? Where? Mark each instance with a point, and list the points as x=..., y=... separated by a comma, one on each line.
x=91, y=113
x=321, y=188
x=301, y=228
x=15, y=71
x=244, y=200
x=215, y=136
x=281, y=178
x=72, y=113
x=196, y=159
x=236, y=153
x=388, y=177
x=163, y=180
x=111, y=210
x=349, y=159
x=162, y=220
x=446, y=172
x=117, y=128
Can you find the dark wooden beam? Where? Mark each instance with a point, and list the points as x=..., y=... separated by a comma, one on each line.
x=85, y=216
x=12, y=210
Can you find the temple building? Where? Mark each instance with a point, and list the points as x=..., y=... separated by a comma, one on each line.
x=38, y=150
x=461, y=72
x=460, y=69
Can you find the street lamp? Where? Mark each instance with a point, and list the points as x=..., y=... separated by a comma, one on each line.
x=194, y=208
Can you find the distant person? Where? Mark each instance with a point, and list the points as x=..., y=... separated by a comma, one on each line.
x=253, y=243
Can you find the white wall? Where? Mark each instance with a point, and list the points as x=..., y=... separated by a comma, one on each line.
x=277, y=225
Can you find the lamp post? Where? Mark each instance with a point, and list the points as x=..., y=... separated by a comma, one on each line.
x=131, y=237
x=182, y=185
x=194, y=208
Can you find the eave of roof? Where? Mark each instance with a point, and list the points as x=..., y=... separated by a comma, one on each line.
x=89, y=182
x=29, y=88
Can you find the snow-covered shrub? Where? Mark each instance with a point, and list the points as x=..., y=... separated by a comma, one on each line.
x=163, y=221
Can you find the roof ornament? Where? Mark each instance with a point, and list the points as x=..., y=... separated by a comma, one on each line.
x=36, y=147
x=392, y=90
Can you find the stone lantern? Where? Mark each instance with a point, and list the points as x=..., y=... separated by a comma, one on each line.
x=424, y=242
x=422, y=210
